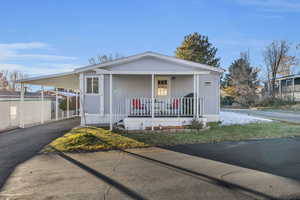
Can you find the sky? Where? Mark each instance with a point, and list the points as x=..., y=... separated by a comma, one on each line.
x=52, y=36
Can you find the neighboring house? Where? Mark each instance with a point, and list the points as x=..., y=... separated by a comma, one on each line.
x=288, y=87
x=144, y=90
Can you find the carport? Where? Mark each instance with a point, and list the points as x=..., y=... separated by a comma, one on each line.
x=68, y=81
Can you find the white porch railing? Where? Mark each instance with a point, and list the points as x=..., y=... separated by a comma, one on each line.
x=164, y=107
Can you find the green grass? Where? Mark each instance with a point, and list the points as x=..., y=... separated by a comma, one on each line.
x=93, y=139
x=221, y=133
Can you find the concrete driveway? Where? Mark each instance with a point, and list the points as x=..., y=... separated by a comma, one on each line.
x=20, y=145
x=151, y=173
x=288, y=116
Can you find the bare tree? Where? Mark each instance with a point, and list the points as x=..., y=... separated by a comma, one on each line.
x=103, y=58
x=277, y=60
x=8, y=79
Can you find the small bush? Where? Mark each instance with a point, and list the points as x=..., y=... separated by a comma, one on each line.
x=195, y=124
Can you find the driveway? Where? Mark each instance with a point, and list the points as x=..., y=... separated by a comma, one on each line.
x=276, y=156
x=288, y=116
x=150, y=173
x=20, y=145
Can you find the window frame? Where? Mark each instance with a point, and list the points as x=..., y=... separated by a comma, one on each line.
x=86, y=85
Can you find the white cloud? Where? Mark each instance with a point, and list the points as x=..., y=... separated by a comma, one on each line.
x=11, y=51
x=42, y=69
x=273, y=5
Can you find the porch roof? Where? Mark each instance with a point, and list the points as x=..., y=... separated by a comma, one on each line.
x=67, y=80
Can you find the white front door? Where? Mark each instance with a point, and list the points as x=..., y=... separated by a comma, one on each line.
x=94, y=94
x=162, y=86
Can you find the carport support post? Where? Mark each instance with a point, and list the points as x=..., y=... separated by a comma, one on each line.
x=152, y=100
x=76, y=102
x=293, y=89
x=68, y=104
x=56, y=104
x=21, y=107
x=110, y=102
x=42, y=104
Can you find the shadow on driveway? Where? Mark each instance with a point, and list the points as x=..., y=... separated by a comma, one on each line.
x=19, y=145
x=276, y=156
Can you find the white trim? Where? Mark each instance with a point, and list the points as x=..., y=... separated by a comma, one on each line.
x=158, y=78
x=151, y=72
x=150, y=54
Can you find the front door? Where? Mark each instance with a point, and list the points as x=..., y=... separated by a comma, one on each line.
x=162, y=86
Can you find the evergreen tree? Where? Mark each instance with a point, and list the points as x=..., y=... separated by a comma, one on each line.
x=197, y=48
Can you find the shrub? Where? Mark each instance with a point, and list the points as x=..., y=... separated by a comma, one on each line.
x=195, y=124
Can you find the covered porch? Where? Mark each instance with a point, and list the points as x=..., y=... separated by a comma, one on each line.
x=152, y=99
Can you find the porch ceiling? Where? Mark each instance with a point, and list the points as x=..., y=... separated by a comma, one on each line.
x=69, y=80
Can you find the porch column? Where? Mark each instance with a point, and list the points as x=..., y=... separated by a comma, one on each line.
x=194, y=96
x=21, y=107
x=76, y=103
x=81, y=100
x=68, y=104
x=42, y=104
x=56, y=104
x=110, y=103
x=152, y=100
x=197, y=96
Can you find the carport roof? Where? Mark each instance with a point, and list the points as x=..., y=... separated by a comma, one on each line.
x=68, y=80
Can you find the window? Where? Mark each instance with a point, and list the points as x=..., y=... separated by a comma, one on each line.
x=162, y=87
x=92, y=85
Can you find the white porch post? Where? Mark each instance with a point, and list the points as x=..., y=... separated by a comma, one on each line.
x=21, y=107
x=152, y=100
x=76, y=104
x=42, y=104
x=197, y=96
x=194, y=96
x=68, y=104
x=56, y=104
x=81, y=86
x=110, y=103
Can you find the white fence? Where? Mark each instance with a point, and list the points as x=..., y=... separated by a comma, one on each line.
x=35, y=111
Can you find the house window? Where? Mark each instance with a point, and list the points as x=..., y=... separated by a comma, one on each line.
x=162, y=87
x=92, y=85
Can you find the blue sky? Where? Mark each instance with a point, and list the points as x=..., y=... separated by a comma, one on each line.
x=40, y=37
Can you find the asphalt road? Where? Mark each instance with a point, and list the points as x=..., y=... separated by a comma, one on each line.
x=275, y=156
x=288, y=116
x=20, y=145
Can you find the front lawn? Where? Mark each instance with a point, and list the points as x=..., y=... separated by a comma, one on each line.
x=92, y=139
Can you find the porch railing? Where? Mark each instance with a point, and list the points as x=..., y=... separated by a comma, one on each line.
x=164, y=107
